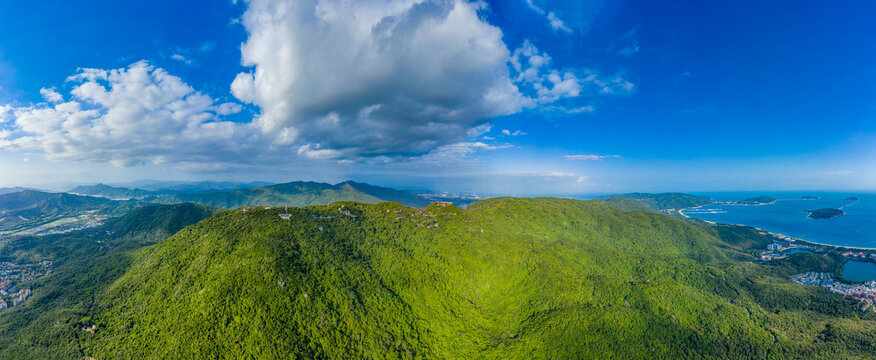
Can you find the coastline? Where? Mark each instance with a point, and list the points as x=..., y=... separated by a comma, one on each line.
x=774, y=234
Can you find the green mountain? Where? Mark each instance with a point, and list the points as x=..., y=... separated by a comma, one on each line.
x=825, y=213
x=506, y=278
x=298, y=194
x=662, y=201
x=84, y=264
x=28, y=209
x=111, y=192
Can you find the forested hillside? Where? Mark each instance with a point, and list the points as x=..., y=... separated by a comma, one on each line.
x=49, y=324
x=298, y=194
x=506, y=278
x=30, y=208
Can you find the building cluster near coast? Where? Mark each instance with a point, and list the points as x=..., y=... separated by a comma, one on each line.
x=865, y=292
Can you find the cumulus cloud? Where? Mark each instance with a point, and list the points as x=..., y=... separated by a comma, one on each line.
x=127, y=116
x=374, y=77
x=51, y=95
x=338, y=80
x=507, y=132
x=591, y=157
x=533, y=70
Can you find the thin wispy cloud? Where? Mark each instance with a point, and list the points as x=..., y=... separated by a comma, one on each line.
x=556, y=23
x=590, y=157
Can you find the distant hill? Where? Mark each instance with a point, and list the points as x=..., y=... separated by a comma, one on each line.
x=9, y=190
x=298, y=194
x=111, y=192
x=32, y=208
x=628, y=204
x=663, y=201
x=759, y=200
x=179, y=187
x=825, y=213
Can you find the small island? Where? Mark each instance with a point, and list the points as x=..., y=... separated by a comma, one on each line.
x=760, y=200
x=852, y=199
x=826, y=213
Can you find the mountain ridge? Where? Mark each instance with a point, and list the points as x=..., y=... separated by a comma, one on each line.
x=297, y=194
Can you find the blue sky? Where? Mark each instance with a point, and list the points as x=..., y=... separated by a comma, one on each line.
x=518, y=97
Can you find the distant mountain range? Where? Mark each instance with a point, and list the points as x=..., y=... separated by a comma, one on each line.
x=177, y=187
x=30, y=211
x=157, y=188
x=298, y=194
x=111, y=192
x=31, y=208
x=10, y=190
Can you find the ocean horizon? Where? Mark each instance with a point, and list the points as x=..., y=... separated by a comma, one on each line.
x=856, y=228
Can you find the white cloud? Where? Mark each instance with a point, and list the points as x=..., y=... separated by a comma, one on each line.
x=582, y=109
x=51, y=95
x=181, y=59
x=370, y=81
x=374, y=77
x=507, y=132
x=552, y=18
x=129, y=116
x=591, y=157
x=533, y=69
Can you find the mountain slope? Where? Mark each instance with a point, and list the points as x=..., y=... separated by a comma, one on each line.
x=507, y=278
x=84, y=263
x=29, y=208
x=298, y=194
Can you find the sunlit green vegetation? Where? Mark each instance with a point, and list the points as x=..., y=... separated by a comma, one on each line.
x=506, y=278
x=27, y=209
x=48, y=325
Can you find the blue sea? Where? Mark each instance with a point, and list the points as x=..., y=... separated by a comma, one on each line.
x=857, y=228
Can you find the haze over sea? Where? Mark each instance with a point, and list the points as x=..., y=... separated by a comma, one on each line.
x=856, y=228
